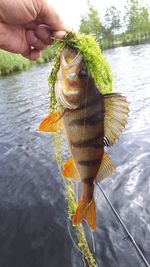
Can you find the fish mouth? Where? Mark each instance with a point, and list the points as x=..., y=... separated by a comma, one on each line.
x=70, y=58
x=74, y=92
x=60, y=96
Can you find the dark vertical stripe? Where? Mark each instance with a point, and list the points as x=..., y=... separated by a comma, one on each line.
x=93, y=119
x=89, y=104
x=91, y=162
x=92, y=142
x=89, y=181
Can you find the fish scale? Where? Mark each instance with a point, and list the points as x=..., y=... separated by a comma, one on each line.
x=86, y=141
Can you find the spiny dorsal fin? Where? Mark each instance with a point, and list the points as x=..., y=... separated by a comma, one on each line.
x=116, y=113
x=106, y=168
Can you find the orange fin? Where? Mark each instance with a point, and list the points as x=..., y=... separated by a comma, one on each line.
x=70, y=171
x=106, y=168
x=85, y=211
x=51, y=123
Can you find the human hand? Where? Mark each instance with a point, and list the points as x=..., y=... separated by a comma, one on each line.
x=27, y=25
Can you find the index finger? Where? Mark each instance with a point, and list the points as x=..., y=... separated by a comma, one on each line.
x=46, y=35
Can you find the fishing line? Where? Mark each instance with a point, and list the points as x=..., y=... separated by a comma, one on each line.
x=82, y=253
x=77, y=191
x=93, y=241
x=85, y=110
x=85, y=113
x=68, y=226
x=128, y=235
x=83, y=136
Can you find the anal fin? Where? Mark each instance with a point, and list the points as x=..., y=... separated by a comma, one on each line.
x=70, y=171
x=106, y=168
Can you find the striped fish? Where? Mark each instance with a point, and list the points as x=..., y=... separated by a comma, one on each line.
x=91, y=121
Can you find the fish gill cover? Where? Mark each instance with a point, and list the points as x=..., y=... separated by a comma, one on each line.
x=92, y=56
x=100, y=71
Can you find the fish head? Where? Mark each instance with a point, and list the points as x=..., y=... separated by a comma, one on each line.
x=72, y=79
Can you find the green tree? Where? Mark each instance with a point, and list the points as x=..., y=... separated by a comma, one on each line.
x=134, y=15
x=138, y=22
x=91, y=23
x=111, y=24
x=144, y=21
x=135, y=27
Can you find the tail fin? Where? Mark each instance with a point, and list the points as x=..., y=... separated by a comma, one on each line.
x=85, y=211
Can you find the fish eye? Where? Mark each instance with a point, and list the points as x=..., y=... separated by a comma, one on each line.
x=82, y=74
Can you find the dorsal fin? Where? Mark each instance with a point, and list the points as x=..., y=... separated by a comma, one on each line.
x=116, y=113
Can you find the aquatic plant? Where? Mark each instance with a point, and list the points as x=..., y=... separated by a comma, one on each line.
x=82, y=244
x=100, y=71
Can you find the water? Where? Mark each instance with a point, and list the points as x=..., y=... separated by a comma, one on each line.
x=33, y=225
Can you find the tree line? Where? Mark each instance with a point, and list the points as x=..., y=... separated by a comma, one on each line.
x=114, y=29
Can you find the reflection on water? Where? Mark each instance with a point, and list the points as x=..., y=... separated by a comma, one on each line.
x=33, y=227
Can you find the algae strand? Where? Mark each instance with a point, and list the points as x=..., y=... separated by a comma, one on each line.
x=71, y=206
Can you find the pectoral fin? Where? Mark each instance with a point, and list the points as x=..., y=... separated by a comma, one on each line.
x=52, y=123
x=116, y=113
x=106, y=168
x=70, y=171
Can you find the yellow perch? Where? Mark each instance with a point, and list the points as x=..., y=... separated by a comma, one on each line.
x=91, y=121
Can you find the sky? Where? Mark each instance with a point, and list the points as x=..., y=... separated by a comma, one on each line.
x=71, y=11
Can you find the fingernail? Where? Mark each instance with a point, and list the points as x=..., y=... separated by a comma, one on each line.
x=59, y=34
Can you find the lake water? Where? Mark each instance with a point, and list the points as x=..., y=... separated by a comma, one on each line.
x=33, y=225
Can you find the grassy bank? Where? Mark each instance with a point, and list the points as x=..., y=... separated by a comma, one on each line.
x=123, y=39
x=10, y=62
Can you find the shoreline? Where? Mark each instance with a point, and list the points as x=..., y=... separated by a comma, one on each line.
x=123, y=43
x=14, y=63
x=11, y=63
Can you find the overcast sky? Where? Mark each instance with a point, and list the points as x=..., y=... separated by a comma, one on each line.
x=71, y=11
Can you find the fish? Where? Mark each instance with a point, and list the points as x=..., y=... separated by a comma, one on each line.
x=91, y=121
